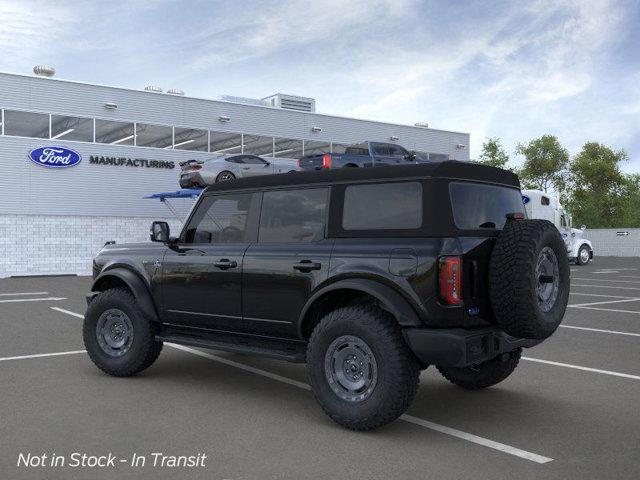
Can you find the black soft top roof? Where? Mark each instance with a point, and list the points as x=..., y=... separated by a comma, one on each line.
x=449, y=169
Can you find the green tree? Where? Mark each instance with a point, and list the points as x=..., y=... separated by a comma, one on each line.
x=493, y=154
x=599, y=190
x=631, y=209
x=545, y=164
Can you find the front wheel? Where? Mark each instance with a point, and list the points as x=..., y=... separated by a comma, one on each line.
x=583, y=255
x=485, y=374
x=119, y=339
x=360, y=369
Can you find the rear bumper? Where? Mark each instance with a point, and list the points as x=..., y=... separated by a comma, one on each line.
x=457, y=347
x=190, y=179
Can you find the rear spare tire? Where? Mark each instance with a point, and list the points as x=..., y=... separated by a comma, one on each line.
x=529, y=278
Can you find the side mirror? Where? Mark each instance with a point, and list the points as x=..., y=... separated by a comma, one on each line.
x=583, y=227
x=267, y=164
x=159, y=232
x=410, y=156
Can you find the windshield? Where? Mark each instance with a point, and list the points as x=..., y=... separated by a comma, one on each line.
x=478, y=206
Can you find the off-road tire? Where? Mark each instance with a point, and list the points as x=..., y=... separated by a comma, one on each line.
x=513, y=282
x=398, y=370
x=144, y=349
x=579, y=257
x=485, y=374
x=225, y=176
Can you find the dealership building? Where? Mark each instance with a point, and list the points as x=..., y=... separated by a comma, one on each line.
x=77, y=159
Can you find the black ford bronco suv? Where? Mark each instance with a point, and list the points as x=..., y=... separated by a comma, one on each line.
x=367, y=275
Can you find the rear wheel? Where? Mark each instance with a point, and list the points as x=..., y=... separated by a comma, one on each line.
x=485, y=374
x=360, y=369
x=583, y=255
x=225, y=176
x=117, y=336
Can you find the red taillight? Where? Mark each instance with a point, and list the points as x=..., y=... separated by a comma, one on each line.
x=450, y=280
x=299, y=162
x=326, y=160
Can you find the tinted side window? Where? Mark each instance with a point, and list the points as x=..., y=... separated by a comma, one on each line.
x=220, y=219
x=477, y=206
x=381, y=149
x=544, y=200
x=253, y=160
x=397, y=151
x=293, y=215
x=235, y=159
x=382, y=206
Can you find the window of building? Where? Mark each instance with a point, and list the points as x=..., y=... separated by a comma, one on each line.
x=382, y=206
x=26, y=124
x=220, y=219
x=191, y=139
x=258, y=145
x=114, y=133
x=312, y=147
x=72, y=128
x=293, y=215
x=157, y=136
x=287, y=148
x=225, y=142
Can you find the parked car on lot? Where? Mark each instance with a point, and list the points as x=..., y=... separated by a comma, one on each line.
x=367, y=275
x=201, y=173
x=539, y=204
x=367, y=154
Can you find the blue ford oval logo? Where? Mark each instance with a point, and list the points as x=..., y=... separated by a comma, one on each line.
x=525, y=199
x=56, y=157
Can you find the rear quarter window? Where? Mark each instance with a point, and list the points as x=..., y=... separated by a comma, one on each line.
x=383, y=206
x=478, y=206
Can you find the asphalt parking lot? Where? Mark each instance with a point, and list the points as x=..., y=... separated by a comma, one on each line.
x=571, y=410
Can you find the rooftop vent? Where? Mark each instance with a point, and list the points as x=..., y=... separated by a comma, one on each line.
x=244, y=100
x=44, y=71
x=422, y=124
x=153, y=88
x=292, y=102
x=175, y=91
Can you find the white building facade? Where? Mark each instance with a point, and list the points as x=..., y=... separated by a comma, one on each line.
x=129, y=143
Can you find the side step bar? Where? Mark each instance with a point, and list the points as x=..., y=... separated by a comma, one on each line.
x=294, y=353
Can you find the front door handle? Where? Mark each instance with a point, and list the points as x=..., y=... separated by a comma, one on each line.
x=225, y=264
x=307, y=266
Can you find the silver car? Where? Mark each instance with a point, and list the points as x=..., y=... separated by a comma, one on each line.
x=221, y=168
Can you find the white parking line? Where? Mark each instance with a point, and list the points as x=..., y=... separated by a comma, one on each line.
x=607, y=286
x=47, y=299
x=628, y=276
x=62, y=310
x=632, y=299
x=601, y=330
x=610, y=310
x=597, y=295
x=606, y=280
x=586, y=369
x=23, y=293
x=407, y=418
x=40, y=355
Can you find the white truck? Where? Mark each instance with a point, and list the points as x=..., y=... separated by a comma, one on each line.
x=541, y=205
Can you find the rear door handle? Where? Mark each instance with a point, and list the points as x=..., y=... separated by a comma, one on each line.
x=225, y=264
x=307, y=266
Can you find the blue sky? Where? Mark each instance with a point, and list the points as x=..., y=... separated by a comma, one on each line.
x=515, y=70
